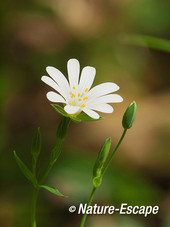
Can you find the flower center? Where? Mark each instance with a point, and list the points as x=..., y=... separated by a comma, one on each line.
x=79, y=99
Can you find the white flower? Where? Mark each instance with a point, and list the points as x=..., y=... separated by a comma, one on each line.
x=76, y=94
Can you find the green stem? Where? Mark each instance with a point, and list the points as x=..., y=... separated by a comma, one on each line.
x=52, y=161
x=113, y=153
x=61, y=134
x=88, y=204
x=33, y=207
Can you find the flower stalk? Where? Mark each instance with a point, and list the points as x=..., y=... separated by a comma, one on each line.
x=114, y=151
x=88, y=204
x=101, y=162
x=33, y=207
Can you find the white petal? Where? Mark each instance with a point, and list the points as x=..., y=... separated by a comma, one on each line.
x=87, y=78
x=54, y=97
x=73, y=68
x=113, y=98
x=91, y=113
x=60, y=79
x=103, y=89
x=104, y=108
x=71, y=109
x=50, y=82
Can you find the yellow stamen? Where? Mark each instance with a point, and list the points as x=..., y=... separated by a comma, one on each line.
x=86, y=90
x=78, y=94
x=79, y=99
x=72, y=95
x=83, y=105
x=74, y=88
x=85, y=98
x=73, y=103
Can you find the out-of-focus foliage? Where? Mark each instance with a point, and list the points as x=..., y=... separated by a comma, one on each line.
x=127, y=41
x=147, y=41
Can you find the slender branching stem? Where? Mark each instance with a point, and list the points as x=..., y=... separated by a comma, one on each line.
x=61, y=134
x=104, y=170
x=33, y=207
x=113, y=153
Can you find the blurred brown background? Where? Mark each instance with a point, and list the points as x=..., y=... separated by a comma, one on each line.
x=111, y=36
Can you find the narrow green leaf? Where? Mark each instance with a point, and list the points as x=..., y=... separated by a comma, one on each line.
x=59, y=110
x=36, y=143
x=147, y=41
x=55, y=152
x=35, y=149
x=52, y=190
x=100, y=161
x=27, y=173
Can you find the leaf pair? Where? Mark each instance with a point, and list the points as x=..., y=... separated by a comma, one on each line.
x=35, y=151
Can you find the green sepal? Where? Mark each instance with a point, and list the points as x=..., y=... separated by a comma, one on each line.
x=59, y=110
x=129, y=116
x=27, y=173
x=52, y=190
x=36, y=147
x=85, y=117
x=74, y=117
x=100, y=161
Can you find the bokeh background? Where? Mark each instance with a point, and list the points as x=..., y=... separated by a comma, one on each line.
x=127, y=42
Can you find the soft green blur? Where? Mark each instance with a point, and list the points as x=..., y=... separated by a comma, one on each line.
x=127, y=42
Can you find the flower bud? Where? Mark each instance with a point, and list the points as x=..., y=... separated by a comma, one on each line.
x=129, y=116
x=98, y=166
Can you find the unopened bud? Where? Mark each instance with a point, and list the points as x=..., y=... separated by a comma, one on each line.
x=129, y=116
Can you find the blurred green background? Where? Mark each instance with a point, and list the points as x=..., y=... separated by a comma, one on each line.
x=121, y=40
